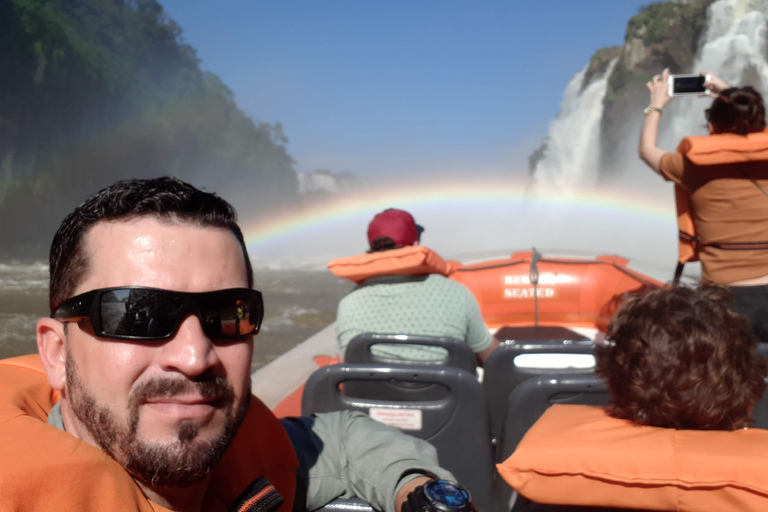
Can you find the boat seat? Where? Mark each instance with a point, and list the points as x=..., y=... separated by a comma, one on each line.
x=528, y=333
x=458, y=355
x=456, y=425
x=347, y=505
x=526, y=404
x=503, y=373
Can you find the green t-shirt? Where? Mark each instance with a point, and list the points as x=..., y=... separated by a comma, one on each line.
x=435, y=306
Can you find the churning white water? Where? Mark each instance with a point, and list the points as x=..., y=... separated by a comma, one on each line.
x=573, y=144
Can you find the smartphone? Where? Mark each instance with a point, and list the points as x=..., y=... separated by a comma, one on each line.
x=686, y=84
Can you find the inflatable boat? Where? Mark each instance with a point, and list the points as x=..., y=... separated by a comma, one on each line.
x=526, y=289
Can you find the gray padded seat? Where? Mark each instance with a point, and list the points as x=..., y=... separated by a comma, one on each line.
x=347, y=505
x=456, y=425
x=525, y=406
x=459, y=355
x=502, y=375
x=529, y=333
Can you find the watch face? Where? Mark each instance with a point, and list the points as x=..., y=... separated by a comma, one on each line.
x=446, y=493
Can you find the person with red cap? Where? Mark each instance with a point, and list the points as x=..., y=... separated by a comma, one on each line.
x=421, y=304
x=393, y=228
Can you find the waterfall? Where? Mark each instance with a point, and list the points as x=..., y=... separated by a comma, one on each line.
x=735, y=49
x=572, y=147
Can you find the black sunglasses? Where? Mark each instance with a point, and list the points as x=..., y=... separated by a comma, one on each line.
x=138, y=313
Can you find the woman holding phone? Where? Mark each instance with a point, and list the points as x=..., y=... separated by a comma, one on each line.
x=722, y=182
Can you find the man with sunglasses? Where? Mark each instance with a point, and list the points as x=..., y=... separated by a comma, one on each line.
x=149, y=347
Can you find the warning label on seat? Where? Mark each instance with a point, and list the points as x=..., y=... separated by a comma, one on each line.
x=404, y=419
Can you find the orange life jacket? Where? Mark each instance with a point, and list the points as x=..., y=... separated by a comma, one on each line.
x=719, y=149
x=578, y=455
x=409, y=260
x=43, y=468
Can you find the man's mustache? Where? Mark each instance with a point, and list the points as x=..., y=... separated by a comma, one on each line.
x=215, y=388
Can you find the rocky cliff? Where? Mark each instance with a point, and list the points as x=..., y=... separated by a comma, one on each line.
x=661, y=35
x=667, y=34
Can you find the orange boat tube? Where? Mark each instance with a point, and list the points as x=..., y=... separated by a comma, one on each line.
x=529, y=289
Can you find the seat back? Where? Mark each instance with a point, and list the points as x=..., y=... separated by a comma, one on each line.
x=528, y=402
x=458, y=355
x=503, y=374
x=456, y=425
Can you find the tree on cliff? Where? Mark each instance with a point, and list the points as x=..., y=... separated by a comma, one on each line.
x=97, y=90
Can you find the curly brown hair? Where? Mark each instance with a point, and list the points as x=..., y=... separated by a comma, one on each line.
x=682, y=358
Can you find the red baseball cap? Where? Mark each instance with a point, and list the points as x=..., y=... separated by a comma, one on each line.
x=395, y=224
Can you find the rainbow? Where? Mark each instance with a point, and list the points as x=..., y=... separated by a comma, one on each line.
x=445, y=196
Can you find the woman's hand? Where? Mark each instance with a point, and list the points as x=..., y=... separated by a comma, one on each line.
x=714, y=85
x=658, y=88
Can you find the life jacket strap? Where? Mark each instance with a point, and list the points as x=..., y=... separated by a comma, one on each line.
x=260, y=496
x=678, y=273
x=726, y=246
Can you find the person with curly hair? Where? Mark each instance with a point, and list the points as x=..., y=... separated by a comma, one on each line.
x=682, y=358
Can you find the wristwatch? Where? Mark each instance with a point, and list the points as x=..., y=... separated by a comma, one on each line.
x=439, y=496
x=651, y=108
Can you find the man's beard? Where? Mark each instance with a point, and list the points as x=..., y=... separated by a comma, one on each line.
x=177, y=463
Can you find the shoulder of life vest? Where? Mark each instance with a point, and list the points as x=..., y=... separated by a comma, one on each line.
x=578, y=455
x=409, y=260
x=718, y=149
x=43, y=468
x=725, y=148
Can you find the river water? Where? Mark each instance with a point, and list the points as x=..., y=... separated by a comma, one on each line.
x=298, y=303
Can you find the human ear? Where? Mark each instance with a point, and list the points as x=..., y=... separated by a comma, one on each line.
x=711, y=128
x=50, y=346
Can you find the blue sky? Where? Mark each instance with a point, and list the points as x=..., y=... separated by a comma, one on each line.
x=396, y=87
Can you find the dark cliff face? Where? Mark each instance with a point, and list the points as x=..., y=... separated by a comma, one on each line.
x=661, y=35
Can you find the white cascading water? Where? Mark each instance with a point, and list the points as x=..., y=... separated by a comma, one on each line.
x=736, y=50
x=573, y=143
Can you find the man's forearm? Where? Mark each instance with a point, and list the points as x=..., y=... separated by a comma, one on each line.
x=348, y=454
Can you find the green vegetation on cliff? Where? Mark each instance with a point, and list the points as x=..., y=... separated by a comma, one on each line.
x=654, y=21
x=92, y=91
x=661, y=35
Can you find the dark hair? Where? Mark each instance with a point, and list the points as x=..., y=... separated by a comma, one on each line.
x=383, y=243
x=681, y=358
x=737, y=110
x=165, y=198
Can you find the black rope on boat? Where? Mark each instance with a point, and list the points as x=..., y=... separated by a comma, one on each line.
x=534, y=277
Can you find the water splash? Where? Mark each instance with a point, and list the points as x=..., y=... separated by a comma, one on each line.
x=572, y=152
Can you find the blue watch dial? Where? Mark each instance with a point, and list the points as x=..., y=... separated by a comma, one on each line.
x=447, y=493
